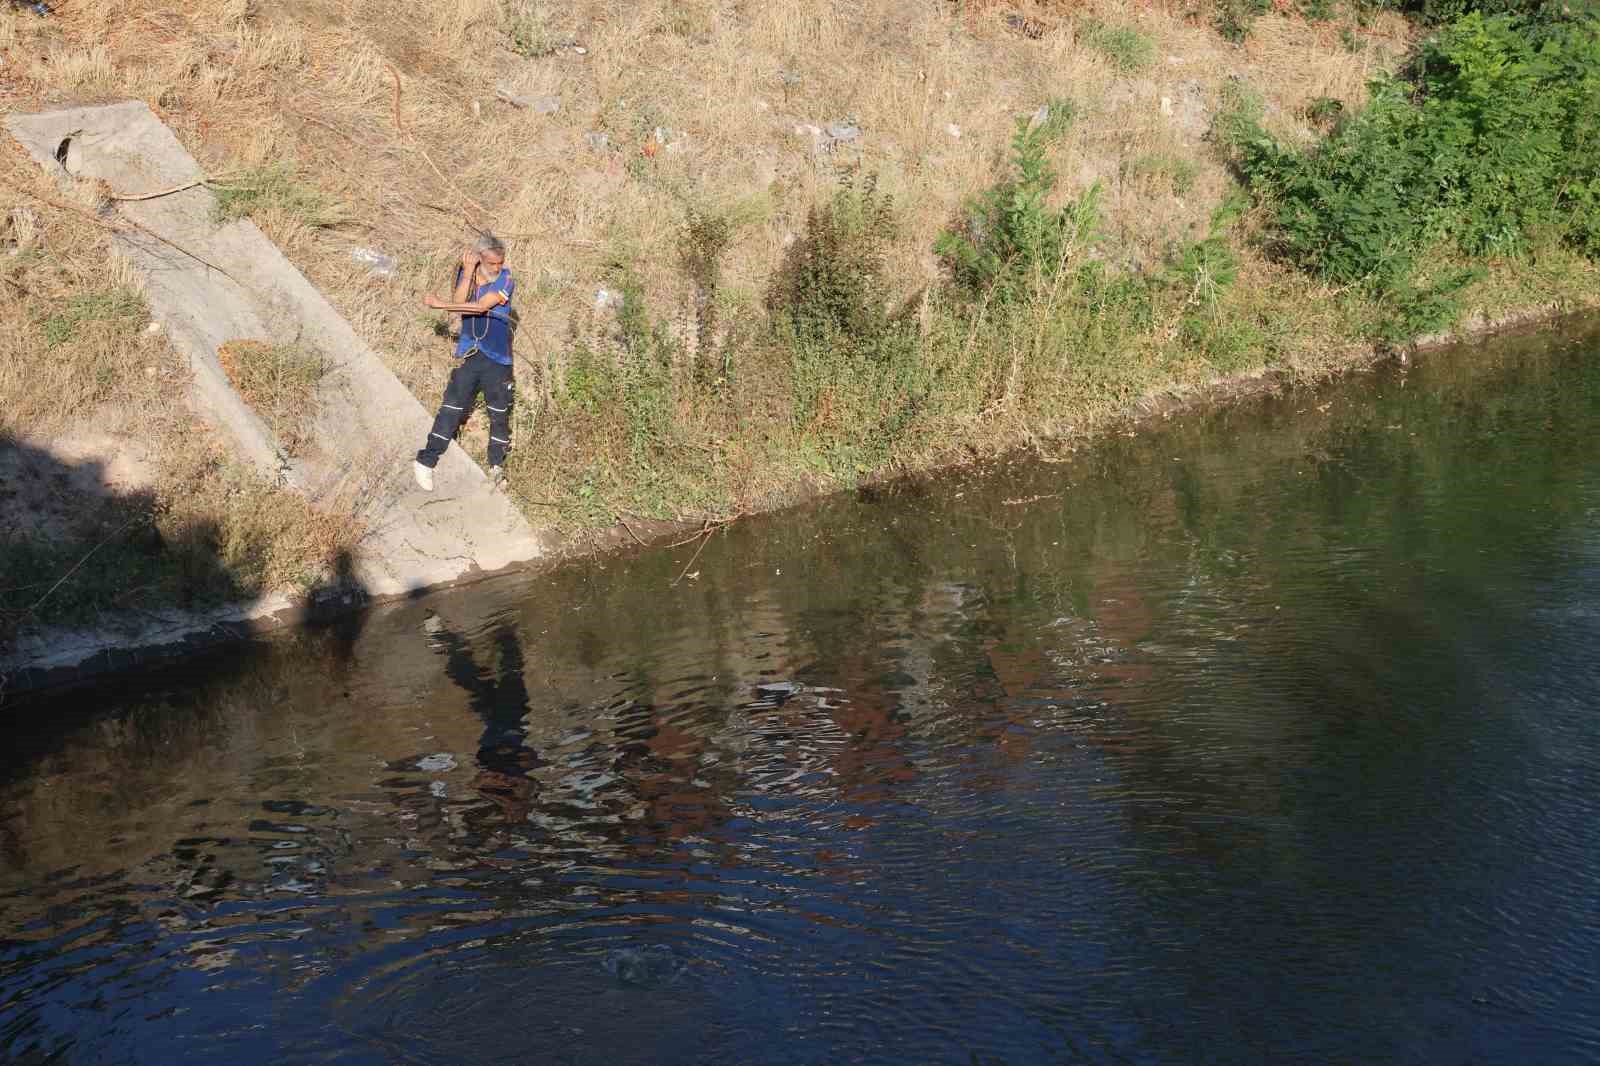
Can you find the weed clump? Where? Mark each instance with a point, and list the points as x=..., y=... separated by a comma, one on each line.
x=279, y=382
x=252, y=192
x=1012, y=241
x=1125, y=47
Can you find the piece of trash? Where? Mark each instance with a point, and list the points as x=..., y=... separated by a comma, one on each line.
x=37, y=7
x=378, y=264
x=603, y=298
x=1166, y=105
x=437, y=763
x=843, y=131
x=803, y=129
x=1040, y=117
x=154, y=327
x=598, y=140
x=953, y=130
x=547, y=105
x=580, y=49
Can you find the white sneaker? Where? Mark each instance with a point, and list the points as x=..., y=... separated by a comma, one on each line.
x=423, y=474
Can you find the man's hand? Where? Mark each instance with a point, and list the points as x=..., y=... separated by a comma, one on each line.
x=433, y=301
x=469, y=261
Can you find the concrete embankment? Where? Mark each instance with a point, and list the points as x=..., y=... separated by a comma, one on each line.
x=209, y=282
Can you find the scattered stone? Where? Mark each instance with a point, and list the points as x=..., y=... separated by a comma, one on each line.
x=953, y=130
x=1032, y=29
x=438, y=762
x=843, y=131
x=378, y=264
x=580, y=49
x=598, y=141
x=153, y=327
x=540, y=105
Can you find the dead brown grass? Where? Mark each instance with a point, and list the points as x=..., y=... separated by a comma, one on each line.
x=135, y=484
x=735, y=92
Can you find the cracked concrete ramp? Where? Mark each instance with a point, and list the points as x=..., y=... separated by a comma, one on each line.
x=208, y=284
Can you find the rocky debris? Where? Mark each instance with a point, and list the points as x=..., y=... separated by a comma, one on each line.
x=1187, y=108
x=539, y=105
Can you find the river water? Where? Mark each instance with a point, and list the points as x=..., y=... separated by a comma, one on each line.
x=1267, y=735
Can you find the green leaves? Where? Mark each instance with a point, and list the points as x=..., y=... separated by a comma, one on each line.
x=1013, y=242
x=1490, y=136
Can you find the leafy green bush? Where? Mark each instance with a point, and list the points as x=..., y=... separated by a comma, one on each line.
x=833, y=286
x=1012, y=240
x=1490, y=134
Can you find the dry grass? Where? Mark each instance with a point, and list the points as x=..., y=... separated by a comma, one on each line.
x=117, y=478
x=936, y=91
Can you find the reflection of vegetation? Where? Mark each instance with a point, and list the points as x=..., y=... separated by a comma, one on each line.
x=1253, y=616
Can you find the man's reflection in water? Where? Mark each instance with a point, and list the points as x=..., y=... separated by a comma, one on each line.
x=500, y=698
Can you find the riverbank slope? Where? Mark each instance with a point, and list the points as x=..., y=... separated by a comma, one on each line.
x=757, y=249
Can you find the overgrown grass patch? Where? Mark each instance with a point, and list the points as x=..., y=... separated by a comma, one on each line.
x=278, y=381
x=1125, y=47
x=275, y=186
x=115, y=306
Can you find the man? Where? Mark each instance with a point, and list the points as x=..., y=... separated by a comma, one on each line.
x=482, y=298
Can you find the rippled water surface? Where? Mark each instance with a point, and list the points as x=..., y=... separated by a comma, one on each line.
x=1268, y=736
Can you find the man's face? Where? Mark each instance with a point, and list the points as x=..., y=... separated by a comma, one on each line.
x=490, y=263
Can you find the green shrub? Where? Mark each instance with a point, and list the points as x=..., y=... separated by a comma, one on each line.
x=1324, y=111
x=1490, y=134
x=1126, y=48
x=833, y=286
x=1012, y=241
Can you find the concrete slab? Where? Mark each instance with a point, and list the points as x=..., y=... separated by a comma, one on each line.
x=368, y=426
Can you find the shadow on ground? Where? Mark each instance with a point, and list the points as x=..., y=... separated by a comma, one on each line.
x=77, y=551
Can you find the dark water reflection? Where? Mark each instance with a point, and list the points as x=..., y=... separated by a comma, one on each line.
x=1269, y=737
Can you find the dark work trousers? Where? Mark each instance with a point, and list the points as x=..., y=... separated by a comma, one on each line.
x=474, y=374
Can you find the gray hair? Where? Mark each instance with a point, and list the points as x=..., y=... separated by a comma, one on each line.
x=489, y=244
